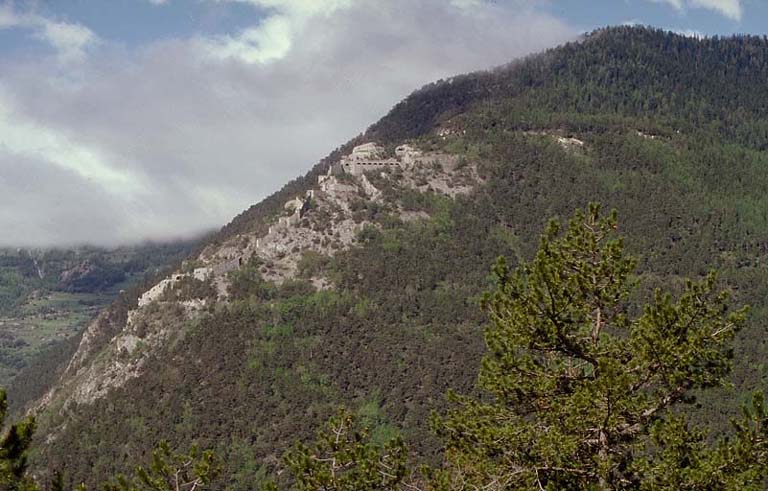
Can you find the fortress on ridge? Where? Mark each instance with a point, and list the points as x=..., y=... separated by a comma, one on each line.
x=372, y=156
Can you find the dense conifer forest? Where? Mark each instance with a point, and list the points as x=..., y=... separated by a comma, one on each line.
x=674, y=134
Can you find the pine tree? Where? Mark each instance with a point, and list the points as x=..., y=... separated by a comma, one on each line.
x=580, y=391
x=13, y=452
x=170, y=471
x=343, y=458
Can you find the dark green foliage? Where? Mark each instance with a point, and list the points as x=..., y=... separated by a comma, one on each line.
x=312, y=264
x=189, y=288
x=258, y=375
x=582, y=392
x=98, y=277
x=614, y=72
x=170, y=471
x=13, y=452
x=343, y=458
x=37, y=376
x=680, y=458
x=247, y=283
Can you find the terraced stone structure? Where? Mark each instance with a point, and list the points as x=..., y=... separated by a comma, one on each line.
x=372, y=156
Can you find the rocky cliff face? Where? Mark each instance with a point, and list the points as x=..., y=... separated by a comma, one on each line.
x=326, y=219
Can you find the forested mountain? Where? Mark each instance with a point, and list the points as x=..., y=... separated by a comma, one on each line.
x=361, y=289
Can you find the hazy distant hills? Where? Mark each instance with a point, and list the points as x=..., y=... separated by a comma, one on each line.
x=48, y=296
x=361, y=289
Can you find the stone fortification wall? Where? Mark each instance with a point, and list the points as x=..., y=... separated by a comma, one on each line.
x=371, y=156
x=357, y=167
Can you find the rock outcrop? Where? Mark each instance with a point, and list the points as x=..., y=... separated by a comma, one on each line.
x=323, y=221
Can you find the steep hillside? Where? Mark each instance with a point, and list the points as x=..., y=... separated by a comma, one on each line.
x=358, y=283
x=48, y=296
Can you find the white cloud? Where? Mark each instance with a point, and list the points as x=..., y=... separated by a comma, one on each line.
x=299, y=8
x=466, y=4
x=69, y=40
x=167, y=140
x=677, y=4
x=270, y=41
x=158, y=2
x=8, y=17
x=273, y=38
x=30, y=140
x=729, y=8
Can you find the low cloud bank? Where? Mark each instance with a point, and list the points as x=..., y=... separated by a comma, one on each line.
x=114, y=145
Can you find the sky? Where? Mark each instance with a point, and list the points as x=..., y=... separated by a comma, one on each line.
x=130, y=120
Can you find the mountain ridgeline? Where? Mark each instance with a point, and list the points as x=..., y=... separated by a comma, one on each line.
x=361, y=288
